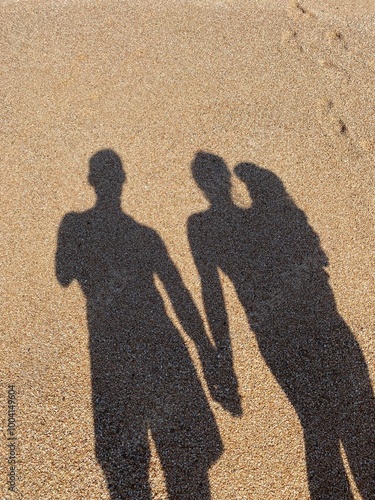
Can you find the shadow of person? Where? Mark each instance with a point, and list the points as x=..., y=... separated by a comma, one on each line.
x=143, y=380
x=275, y=261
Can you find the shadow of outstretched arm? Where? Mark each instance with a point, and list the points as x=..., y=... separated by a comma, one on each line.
x=218, y=372
x=224, y=386
x=182, y=301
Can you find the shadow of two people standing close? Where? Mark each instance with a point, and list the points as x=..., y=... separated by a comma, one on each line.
x=143, y=379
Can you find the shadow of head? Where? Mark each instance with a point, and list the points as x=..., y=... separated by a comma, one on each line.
x=106, y=174
x=212, y=176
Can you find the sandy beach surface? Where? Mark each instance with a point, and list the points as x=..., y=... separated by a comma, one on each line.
x=278, y=99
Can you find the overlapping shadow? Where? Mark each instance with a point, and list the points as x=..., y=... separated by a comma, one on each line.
x=276, y=263
x=143, y=380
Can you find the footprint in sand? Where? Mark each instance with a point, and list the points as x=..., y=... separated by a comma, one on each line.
x=337, y=39
x=290, y=40
x=335, y=127
x=331, y=121
x=297, y=10
x=310, y=34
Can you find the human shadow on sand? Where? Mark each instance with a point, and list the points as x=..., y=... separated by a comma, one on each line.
x=275, y=261
x=143, y=380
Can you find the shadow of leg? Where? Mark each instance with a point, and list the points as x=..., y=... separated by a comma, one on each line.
x=358, y=439
x=123, y=452
x=186, y=479
x=325, y=468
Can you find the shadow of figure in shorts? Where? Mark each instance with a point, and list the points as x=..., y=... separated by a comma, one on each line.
x=143, y=380
x=275, y=261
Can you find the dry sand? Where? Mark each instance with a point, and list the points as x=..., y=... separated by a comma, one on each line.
x=288, y=86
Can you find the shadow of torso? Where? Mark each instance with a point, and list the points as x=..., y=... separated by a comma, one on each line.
x=274, y=259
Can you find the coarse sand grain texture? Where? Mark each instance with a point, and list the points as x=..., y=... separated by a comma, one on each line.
x=187, y=249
